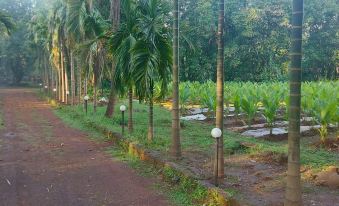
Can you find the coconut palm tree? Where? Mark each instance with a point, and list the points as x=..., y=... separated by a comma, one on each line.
x=151, y=55
x=176, y=148
x=220, y=87
x=293, y=195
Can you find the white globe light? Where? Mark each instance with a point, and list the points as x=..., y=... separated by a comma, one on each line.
x=67, y=92
x=122, y=108
x=54, y=90
x=86, y=97
x=216, y=133
x=40, y=84
x=46, y=87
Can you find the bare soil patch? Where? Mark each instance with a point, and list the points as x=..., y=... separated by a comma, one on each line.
x=45, y=162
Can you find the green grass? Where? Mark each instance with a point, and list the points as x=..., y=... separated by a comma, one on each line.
x=186, y=192
x=194, y=135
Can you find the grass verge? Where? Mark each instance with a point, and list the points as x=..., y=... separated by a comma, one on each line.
x=186, y=193
x=194, y=135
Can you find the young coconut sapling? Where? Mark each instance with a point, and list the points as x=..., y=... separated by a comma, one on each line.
x=249, y=104
x=271, y=102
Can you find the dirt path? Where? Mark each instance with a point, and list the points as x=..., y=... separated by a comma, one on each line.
x=43, y=162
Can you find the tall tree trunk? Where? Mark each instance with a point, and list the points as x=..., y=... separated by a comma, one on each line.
x=175, y=148
x=62, y=77
x=50, y=88
x=58, y=85
x=150, y=134
x=79, y=85
x=293, y=183
x=95, y=94
x=220, y=89
x=66, y=87
x=115, y=16
x=85, y=85
x=72, y=79
x=59, y=80
x=46, y=78
x=130, y=109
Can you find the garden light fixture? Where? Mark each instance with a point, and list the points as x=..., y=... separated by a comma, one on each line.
x=55, y=93
x=86, y=98
x=122, y=109
x=67, y=94
x=216, y=134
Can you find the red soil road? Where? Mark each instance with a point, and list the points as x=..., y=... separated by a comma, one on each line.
x=44, y=162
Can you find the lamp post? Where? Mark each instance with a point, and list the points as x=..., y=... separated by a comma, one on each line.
x=216, y=134
x=55, y=93
x=40, y=86
x=86, y=98
x=122, y=109
x=67, y=94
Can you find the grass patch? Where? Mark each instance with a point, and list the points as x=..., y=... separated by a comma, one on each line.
x=180, y=190
x=194, y=135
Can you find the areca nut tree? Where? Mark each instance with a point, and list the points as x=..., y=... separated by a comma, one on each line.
x=152, y=54
x=293, y=195
x=122, y=42
x=176, y=148
x=115, y=18
x=220, y=90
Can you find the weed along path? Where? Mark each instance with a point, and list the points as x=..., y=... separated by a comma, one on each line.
x=45, y=162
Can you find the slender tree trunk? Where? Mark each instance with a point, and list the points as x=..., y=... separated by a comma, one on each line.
x=72, y=80
x=85, y=86
x=79, y=85
x=95, y=94
x=111, y=98
x=59, y=81
x=62, y=77
x=176, y=147
x=46, y=81
x=293, y=196
x=50, y=88
x=220, y=89
x=66, y=87
x=115, y=16
x=130, y=109
x=57, y=85
x=150, y=134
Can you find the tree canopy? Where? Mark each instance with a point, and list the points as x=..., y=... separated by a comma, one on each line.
x=257, y=37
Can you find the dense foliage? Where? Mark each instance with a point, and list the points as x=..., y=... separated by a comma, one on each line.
x=16, y=57
x=257, y=40
x=256, y=46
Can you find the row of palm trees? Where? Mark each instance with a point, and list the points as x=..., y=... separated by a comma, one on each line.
x=76, y=43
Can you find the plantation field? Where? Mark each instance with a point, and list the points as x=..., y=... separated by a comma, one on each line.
x=248, y=104
x=255, y=167
x=259, y=109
